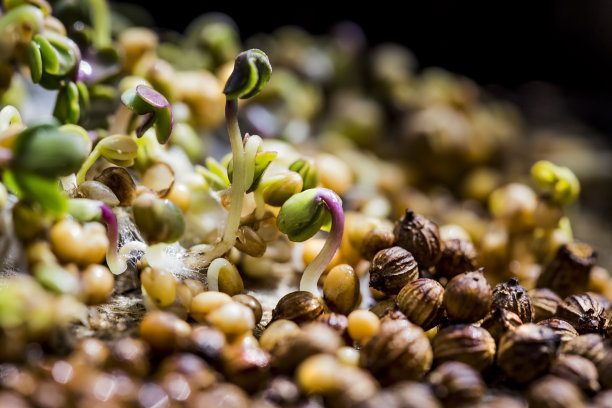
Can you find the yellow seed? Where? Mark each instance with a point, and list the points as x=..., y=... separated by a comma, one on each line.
x=312, y=247
x=334, y=173
x=362, y=324
x=98, y=283
x=135, y=43
x=160, y=285
x=180, y=195
x=230, y=281
x=162, y=330
x=276, y=331
x=183, y=295
x=205, y=302
x=232, y=318
x=319, y=374
x=341, y=289
x=195, y=286
x=348, y=355
x=84, y=245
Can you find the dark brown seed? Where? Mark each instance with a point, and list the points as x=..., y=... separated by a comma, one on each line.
x=584, y=312
x=223, y=395
x=399, y=351
x=411, y=394
x=544, y=302
x=421, y=237
x=249, y=242
x=500, y=322
x=391, y=269
x=252, y=303
x=467, y=297
x=204, y=341
x=300, y=306
x=193, y=368
x=513, y=297
x=246, y=365
x=422, y=302
x=569, y=270
x=603, y=399
x=375, y=240
x=457, y=384
x=554, y=392
x=466, y=343
x=565, y=330
x=131, y=355
x=577, y=370
x=526, y=352
x=120, y=182
x=591, y=346
x=458, y=256
x=282, y=391
x=384, y=307
x=604, y=369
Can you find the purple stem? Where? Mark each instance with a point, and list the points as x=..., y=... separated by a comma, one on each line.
x=112, y=232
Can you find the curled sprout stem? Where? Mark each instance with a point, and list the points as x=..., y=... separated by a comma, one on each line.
x=22, y=14
x=315, y=269
x=214, y=270
x=8, y=115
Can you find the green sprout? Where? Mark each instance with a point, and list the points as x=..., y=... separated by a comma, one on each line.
x=558, y=182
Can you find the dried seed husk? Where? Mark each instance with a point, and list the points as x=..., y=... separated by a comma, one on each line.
x=554, y=392
x=159, y=177
x=467, y=297
x=527, y=352
x=422, y=302
x=564, y=329
x=120, y=182
x=391, y=269
x=577, y=370
x=336, y=321
x=420, y=236
x=376, y=240
x=95, y=190
x=399, y=351
x=457, y=384
x=299, y=306
x=544, y=302
x=341, y=289
x=513, y=297
x=569, y=270
x=249, y=242
x=466, y=343
x=604, y=369
x=458, y=256
x=500, y=321
x=584, y=312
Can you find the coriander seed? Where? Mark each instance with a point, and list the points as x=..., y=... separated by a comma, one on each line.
x=420, y=236
x=584, y=312
x=466, y=343
x=391, y=269
x=467, y=297
x=422, y=302
x=512, y=296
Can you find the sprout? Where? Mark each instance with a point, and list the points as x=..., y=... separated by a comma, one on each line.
x=25, y=15
x=559, y=182
x=117, y=149
x=53, y=58
x=301, y=217
x=251, y=73
x=307, y=170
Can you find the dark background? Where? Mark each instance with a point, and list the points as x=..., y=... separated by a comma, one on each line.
x=507, y=44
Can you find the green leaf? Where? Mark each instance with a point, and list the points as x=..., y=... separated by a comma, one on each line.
x=67, y=107
x=50, y=62
x=35, y=61
x=302, y=216
x=262, y=161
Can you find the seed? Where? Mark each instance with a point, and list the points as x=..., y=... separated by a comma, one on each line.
x=204, y=303
x=252, y=303
x=229, y=280
x=501, y=321
x=95, y=190
x=421, y=237
x=319, y=375
x=466, y=343
x=98, y=283
x=204, y=341
x=232, y=318
x=544, y=302
x=457, y=384
x=249, y=242
x=120, y=182
x=312, y=247
x=162, y=330
x=333, y=173
x=376, y=240
x=300, y=306
x=160, y=285
x=550, y=391
x=276, y=331
x=513, y=297
x=180, y=195
x=568, y=272
x=565, y=330
x=130, y=355
x=384, y=307
x=151, y=212
x=195, y=286
x=246, y=365
x=398, y=351
x=84, y=245
x=458, y=256
x=362, y=324
x=467, y=297
x=391, y=269
x=422, y=302
x=604, y=369
x=336, y=321
x=136, y=42
x=527, y=352
x=341, y=289
x=590, y=346
x=348, y=355
x=514, y=205
x=577, y=370
x=584, y=312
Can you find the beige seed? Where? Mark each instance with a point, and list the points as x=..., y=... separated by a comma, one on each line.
x=232, y=318
x=362, y=324
x=205, y=302
x=277, y=331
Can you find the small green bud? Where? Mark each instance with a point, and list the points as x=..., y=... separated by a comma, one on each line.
x=146, y=101
x=159, y=220
x=558, y=181
x=280, y=187
x=307, y=170
x=251, y=73
x=303, y=215
x=118, y=149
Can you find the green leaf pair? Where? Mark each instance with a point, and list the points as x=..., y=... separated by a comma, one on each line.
x=303, y=215
x=557, y=181
x=53, y=58
x=252, y=71
x=72, y=100
x=155, y=108
x=308, y=172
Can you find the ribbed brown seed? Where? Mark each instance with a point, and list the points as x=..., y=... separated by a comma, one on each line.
x=391, y=269
x=569, y=270
x=375, y=240
x=554, y=392
x=399, y=351
x=591, y=346
x=527, y=351
x=467, y=297
x=420, y=236
x=457, y=384
x=577, y=370
x=467, y=343
x=604, y=369
x=252, y=303
x=410, y=394
x=336, y=321
x=499, y=322
x=512, y=296
x=584, y=312
x=422, y=302
x=458, y=256
x=564, y=329
x=544, y=302
x=299, y=306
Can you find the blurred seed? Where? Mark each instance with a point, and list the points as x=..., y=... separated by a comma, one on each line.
x=204, y=303
x=341, y=289
x=252, y=303
x=160, y=285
